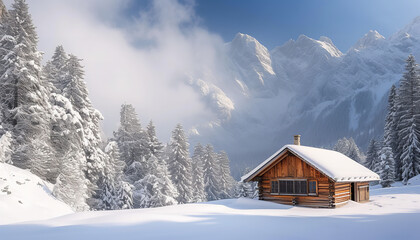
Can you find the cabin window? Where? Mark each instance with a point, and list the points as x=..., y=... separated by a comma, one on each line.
x=293, y=187
x=300, y=187
x=312, y=187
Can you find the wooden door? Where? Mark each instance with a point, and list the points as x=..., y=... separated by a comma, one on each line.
x=363, y=193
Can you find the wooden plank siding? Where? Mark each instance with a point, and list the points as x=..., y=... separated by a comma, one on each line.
x=288, y=166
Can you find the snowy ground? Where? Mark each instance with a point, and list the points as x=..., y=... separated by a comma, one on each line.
x=392, y=214
x=25, y=197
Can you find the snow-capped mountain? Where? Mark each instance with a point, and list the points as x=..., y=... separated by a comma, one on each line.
x=251, y=63
x=371, y=39
x=306, y=87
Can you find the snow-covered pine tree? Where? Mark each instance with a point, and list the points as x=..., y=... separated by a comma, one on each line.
x=372, y=155
x=158, y=166
x=179, y=165
x=126, y=196
x=72, y=185
x=3, y=16
x=388, y=163
x=227, y=183
x=113, y=189
x=349, y=148
x=386, y=167
x=155, y=189
x=155, y=146
x=167, y=187
x=3, y=11
x=55, y=70
x=198, y=174
x=133, y=143
x=66, y=123
x=24, y=99
x=255, y=191
x=244, y=189
x=390, y=122
x=211, y=174
x=74, y=89
x=407, y=116
x=5, y=148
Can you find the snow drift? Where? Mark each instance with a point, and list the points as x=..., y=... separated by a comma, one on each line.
x=26, y=197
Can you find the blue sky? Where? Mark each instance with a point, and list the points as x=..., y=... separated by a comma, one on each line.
x=273, y=22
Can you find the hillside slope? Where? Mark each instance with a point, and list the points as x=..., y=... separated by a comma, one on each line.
x=392, y=213
x=25, y=197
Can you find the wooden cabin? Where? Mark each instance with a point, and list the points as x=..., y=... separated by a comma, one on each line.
x=312, y=177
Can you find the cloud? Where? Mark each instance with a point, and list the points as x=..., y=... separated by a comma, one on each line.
x=144, y=59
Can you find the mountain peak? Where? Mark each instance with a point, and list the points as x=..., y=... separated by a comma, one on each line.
x=248, y=43
x=374, y=34
x=326, y=40
x=372, y=38
x=303, y=37
x=305, y=43
x=243, y=37
x=411, y=30
x=254, y=60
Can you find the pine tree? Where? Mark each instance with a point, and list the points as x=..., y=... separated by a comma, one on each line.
x=133, y=143
x=3, y=11
x=72, y=186
x=74, y=89
x=68, y=171
x=155, y=146
x=66, y=133
x=157, y=165
x=113, y=193
x=56, y=69
x=211, y=174
x=162, y=173
x=390, y=129
x=387, y=171
x=227, y=183
x=198, y=174
x=155, y=189
x=179, y=165
x=372, y=156
x=349, y=148
x=386, y=168
x=126, y=196
x=390, y=122
x=5, y=148
x=244, y=189
x=255, y=193
x=66, y=123
x=25, y=108
x=407, y=116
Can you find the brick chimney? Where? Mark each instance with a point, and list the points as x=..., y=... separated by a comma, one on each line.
x=296, y=140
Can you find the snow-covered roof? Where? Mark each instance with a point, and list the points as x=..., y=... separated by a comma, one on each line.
x=335, y=165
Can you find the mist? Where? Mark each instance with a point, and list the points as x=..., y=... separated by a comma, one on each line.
x=145, y=58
